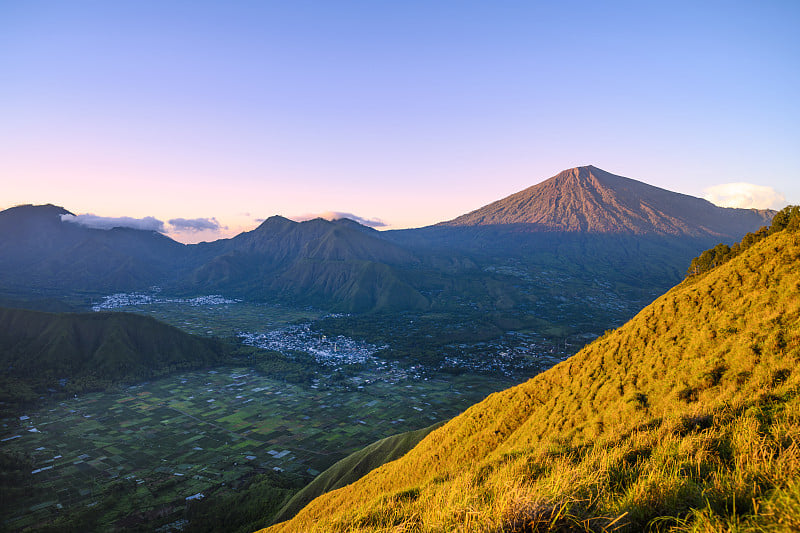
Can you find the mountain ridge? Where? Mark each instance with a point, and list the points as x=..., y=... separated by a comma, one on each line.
x=313, y=261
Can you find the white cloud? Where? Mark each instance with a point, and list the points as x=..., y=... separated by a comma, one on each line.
x=186, y=230
x=195, y=224
x=336, y=215
x=94, y=221
x=744, y=195
x=194, y=230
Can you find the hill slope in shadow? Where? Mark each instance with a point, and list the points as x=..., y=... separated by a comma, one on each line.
x=67, y=353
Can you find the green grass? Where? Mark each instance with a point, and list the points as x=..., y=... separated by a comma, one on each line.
x=353, y=467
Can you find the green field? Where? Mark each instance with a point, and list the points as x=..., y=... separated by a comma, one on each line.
x=137, y=453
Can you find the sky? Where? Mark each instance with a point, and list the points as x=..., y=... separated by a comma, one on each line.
x=203, y=118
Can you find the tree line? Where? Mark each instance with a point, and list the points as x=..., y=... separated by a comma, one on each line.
x=787, y=219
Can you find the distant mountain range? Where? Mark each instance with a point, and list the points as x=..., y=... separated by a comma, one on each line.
x=585, y=224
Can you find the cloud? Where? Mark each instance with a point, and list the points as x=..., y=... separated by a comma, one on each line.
x=336, y=215
x=94, y=221
x=186, y=230
x=195, y=224
x=744, y=195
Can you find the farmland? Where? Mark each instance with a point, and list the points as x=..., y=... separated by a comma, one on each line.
x=163, y=442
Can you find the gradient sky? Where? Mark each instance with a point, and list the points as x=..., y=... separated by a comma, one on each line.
x=408, y=112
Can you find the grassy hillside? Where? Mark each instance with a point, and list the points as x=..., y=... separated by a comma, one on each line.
x=687, y=418
x=47, y=353
x=354, y=467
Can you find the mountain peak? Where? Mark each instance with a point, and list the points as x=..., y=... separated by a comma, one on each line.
x=34, y=211
x=22, y=219
x=588, y=199
x=272, y=224
x=350, y=223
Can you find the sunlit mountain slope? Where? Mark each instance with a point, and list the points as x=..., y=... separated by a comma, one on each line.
x=686, y=418
x=353, y=467
x=589, y=199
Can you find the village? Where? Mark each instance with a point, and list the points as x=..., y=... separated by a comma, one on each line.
x=132, y=299
x=326, y=351
x=514, y=355
x=340, y=354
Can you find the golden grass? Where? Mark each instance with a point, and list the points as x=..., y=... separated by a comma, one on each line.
x=685, y=419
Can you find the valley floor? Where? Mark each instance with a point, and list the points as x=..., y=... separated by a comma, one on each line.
x=164, y=443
